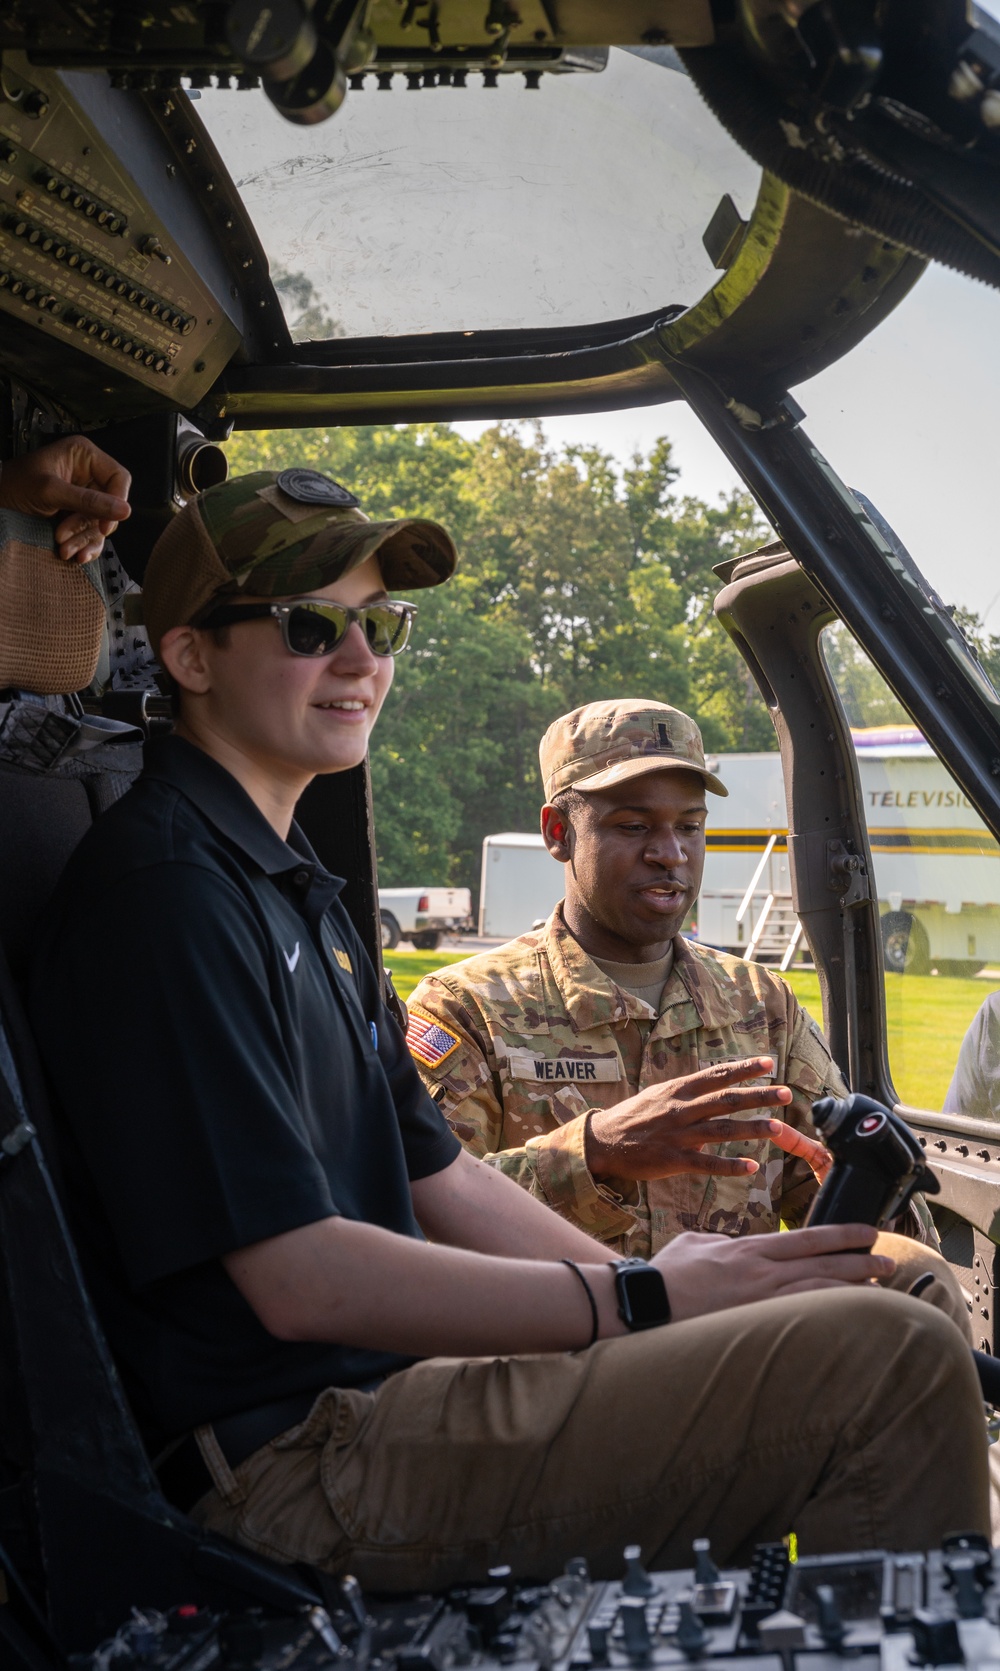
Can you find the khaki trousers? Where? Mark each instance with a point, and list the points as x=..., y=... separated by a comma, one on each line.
x=849, y=1416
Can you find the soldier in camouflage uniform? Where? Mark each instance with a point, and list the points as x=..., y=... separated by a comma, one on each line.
x=526, y=1048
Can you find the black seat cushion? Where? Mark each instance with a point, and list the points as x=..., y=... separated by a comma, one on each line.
x=41, y=820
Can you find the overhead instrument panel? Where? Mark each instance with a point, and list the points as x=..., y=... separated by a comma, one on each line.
x=104, y=247
x=306, y=54
x=887, y=115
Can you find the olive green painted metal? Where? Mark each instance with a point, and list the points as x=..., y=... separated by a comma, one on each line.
x=802, y=290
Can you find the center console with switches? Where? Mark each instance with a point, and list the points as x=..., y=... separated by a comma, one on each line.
x=109, y=240
x=878, y=1611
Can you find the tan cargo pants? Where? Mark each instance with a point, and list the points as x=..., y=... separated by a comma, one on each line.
x=850, y=1416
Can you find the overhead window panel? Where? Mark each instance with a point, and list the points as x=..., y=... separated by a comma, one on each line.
x=448, y=209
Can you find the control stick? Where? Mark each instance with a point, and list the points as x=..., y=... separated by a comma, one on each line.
x=878, y=1164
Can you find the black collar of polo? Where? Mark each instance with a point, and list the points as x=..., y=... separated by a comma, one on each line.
x=227, y=806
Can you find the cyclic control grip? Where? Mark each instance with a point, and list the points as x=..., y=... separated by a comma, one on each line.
x=878, y=1163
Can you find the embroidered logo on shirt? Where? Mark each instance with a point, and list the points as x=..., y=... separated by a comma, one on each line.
x=587, y=1070
x=291, y=958
x=343, y=959
x=429, y=1042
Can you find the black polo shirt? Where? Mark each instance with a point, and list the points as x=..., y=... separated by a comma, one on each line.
x=224, y=1070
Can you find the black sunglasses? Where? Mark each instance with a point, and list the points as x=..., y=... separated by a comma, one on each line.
x=314, y=627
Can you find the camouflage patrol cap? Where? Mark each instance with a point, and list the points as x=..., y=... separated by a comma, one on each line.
x=279, y=534
x=606, y=742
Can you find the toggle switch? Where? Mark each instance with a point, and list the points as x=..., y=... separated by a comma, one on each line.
x=935, y=1640
x=705, y=1569
x=635, y=1626
x=637, y=1581
x=968, y=1563
x=691, y=1635
x=831, y=1625
x=597, y=1641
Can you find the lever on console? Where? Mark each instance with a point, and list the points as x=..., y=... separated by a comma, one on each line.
x=968, y=1562
x=691, y=1634
x=637, y=1581
x=935, y=1640
x=635, y=1626
x=831, y=1625
x=597, y=1641
x=705, y=1569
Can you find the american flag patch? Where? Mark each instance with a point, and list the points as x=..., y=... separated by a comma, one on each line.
x=429, y=1042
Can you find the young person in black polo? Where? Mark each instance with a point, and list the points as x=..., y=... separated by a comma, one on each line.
x=346, y=1340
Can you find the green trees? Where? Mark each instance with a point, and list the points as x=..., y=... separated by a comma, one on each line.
x=866, y=697
x=577, y=582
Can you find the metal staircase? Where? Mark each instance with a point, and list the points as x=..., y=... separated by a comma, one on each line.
x=776, y=932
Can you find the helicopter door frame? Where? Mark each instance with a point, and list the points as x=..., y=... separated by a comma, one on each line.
x=775, y=604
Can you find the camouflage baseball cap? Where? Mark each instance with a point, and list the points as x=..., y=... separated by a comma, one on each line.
x=607, y=742
x=279, y=534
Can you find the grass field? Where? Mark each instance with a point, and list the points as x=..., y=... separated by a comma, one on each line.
x=927, y=1016
x=410, y=967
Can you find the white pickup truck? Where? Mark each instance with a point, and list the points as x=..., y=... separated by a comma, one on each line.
x=422, y=915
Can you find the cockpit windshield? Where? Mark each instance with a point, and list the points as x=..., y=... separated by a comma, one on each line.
x=581, y=200
x=955, y=628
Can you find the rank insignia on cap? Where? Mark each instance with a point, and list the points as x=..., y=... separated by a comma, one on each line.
x=429, y=1042
x=309, y=487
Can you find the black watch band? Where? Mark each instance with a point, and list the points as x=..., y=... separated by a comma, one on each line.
x=642, y=1295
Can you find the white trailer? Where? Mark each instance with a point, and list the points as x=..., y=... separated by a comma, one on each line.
x=746, y=859
x=937, y=868
x=520, y=884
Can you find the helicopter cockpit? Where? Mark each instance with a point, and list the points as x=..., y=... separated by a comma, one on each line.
x=211, y=219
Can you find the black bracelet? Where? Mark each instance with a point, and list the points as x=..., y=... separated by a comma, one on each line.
x=595, y=1321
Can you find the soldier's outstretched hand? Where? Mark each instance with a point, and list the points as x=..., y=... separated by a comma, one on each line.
x=804, y=1148
x=705, y=1272
x=664, y=1129
x=74, y=476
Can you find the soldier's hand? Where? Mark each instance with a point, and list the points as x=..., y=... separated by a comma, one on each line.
x=705, y=1272
x=662, y=1131
x=804, y=1148
x=70, y=475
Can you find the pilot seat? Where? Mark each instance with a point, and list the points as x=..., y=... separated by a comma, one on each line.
x=85, y=1533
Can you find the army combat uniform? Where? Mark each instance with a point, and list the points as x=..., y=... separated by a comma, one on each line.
x=529, y=1037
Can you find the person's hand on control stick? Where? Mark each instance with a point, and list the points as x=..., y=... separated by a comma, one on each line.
x=705, y=1272
x=74, y=476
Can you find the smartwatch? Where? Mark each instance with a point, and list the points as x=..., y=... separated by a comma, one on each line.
x=642, y=1294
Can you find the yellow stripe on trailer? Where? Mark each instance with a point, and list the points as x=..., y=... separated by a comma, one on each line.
x=893, y=838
